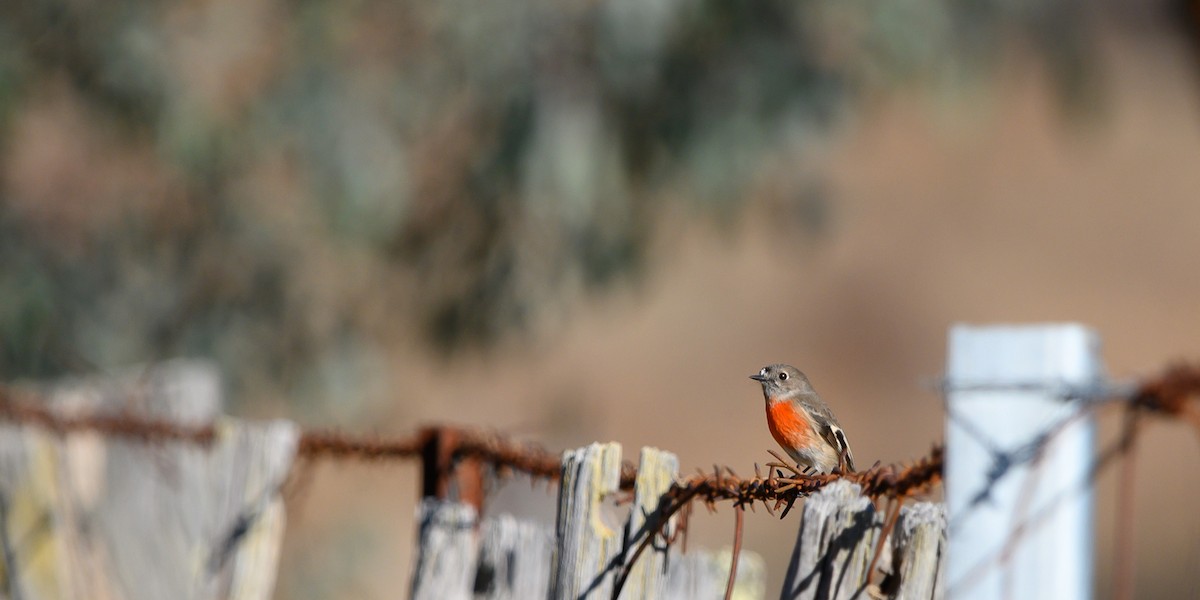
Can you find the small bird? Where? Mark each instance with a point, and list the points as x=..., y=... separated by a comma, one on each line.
x=801, y=422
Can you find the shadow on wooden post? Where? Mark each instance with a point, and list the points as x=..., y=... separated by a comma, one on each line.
x=447, y=552
x=657, y=470
x=515, y=559
x=839, y=530
x=918, y=551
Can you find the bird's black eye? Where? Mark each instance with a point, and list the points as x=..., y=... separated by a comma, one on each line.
x=783, y=376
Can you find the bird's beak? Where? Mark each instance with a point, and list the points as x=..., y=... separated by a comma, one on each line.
x=759, y=377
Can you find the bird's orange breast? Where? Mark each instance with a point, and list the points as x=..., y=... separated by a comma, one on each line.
x=791, y=427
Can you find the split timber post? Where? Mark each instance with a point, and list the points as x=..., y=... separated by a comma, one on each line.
x=592, y=552
x=588, y=559
x=839, y=530
x=461, y=558
x=1019, y=443
x=839, y=538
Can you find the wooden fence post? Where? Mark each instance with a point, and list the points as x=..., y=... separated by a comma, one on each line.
x=447, y=551
x=657, y=470
x=918, y=550
x=120, y=518
x=839, y=530
x=702, y=575
x=515, y=558
x=589, y=550
x=1018, y=461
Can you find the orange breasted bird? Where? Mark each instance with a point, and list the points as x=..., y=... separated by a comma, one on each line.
x=802, y=423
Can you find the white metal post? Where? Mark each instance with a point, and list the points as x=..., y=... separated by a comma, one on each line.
x=1020, y=518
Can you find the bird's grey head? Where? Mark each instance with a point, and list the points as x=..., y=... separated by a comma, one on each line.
x=779, y=381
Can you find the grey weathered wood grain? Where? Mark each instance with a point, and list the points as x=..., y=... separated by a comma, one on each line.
x=514, y=559
x=918, y=549
x=702, y=575
x=588, y=548
x=447, y=551
x=657, y=470
x=104, y=518
x=834, y=547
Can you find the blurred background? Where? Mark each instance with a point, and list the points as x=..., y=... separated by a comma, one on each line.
x=579, y=221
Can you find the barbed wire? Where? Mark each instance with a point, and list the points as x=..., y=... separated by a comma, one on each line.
x=1167, y=394
x=32, y=409
x=442, y=448
x=1171, y=392
x=502, y=453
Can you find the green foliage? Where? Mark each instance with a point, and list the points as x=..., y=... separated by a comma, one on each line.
x=256, y=180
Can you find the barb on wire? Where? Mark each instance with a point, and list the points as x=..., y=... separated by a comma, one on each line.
x=1173, y=393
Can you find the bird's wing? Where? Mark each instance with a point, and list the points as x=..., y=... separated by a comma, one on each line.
x=837, y=438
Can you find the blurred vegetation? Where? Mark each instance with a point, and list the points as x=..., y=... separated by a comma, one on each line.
x=286, y=186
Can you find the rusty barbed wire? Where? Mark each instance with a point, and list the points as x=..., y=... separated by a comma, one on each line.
x=1172, y=393
x=499, y=451
x=782, y=485
x=30, y=410
x=340, y=445
x=774, y=491
x=523, y=457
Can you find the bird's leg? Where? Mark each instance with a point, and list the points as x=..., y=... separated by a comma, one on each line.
x=843, y=461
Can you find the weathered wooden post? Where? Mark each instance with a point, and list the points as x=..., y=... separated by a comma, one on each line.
x=1019, y=442
x=447, y=550
x=919, y=551
x=127, y=518
x=507, y=558
x=589, y=550
x=839, y=531
x=515, y=558
x=702, y=575
x=648, y=576
x=503, y=558
x=593, y=553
